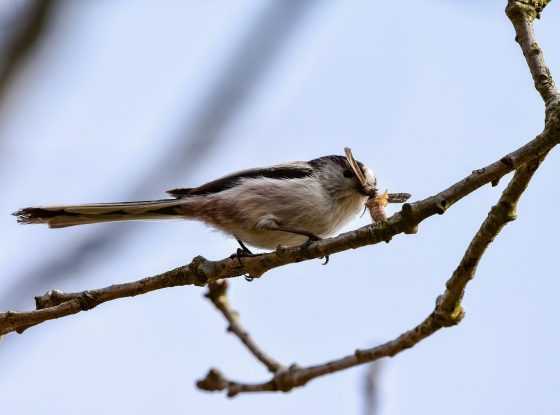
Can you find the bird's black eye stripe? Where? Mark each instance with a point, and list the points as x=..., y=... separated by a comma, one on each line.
x=347, y=173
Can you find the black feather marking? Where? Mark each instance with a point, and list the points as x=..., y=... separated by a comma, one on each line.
x=169, y=210
x=180, y=192
x=276, y=172
x=136, y=202
x=115, y=212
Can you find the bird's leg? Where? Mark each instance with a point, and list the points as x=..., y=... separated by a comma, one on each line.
x=243, y=251
x=272, y=225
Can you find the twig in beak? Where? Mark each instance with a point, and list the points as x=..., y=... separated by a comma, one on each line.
x=366, y=187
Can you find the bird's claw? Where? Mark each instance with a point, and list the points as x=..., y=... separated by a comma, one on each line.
x=310, y=240
x=243, y=253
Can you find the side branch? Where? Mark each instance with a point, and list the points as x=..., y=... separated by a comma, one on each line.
x=500, y=214
x=522, y=15
x=448, y=310
x=217, y=294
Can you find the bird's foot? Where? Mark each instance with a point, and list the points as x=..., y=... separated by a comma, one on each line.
x=313, y=238
x=243, y=252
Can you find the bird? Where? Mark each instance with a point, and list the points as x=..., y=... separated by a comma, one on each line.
x=285, y=204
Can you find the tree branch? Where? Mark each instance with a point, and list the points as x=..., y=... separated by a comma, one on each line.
x=200, y=271
x=448, y=310
x=217, y=294
x=522, y=15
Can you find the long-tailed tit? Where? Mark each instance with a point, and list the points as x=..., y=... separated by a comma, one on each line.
x=285, y=204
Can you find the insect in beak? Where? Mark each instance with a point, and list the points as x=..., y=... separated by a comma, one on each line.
x=376, y=203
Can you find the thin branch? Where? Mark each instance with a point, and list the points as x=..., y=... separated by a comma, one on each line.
x=217, y=294
x=500, y=214
x=201, y=271
x=522, y=15
x=448, y=310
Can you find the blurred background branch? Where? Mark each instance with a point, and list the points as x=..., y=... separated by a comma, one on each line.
x=22, y=32
x=371, y=388
x=238, y=80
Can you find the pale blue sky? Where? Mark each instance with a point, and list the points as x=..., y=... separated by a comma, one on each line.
x=423, y=93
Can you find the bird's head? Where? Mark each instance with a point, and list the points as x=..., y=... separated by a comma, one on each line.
x=344, y=176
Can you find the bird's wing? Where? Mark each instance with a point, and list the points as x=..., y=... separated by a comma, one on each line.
x=294, y=170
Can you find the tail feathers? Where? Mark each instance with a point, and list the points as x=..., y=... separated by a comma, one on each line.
x=63, y=216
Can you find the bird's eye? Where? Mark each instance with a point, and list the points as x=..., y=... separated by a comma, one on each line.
x=348, y=174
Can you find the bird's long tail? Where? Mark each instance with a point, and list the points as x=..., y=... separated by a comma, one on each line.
x=63, y=216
